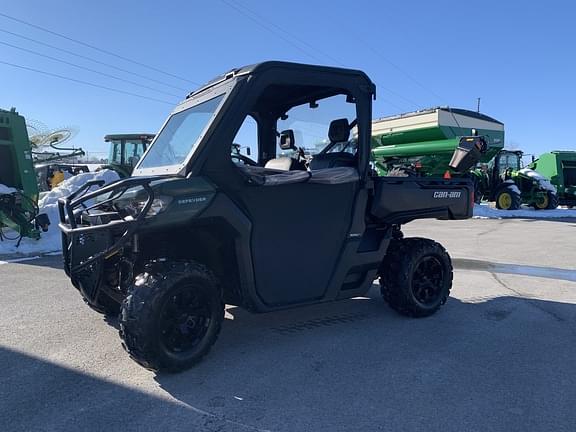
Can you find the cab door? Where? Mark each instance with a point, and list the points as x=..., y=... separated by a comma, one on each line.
x=298, y=229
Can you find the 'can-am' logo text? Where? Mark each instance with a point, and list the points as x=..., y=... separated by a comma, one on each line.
x=446, y=194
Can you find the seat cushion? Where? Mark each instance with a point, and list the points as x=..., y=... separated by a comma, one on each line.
x=281, y=164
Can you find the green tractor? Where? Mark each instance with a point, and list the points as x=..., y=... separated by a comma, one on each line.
x=422, y=144
x=504, y=181
x=125, y=151
x=18, y=187
x=560, y=168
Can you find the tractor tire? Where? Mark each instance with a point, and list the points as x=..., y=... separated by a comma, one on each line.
x=416, y=276
x=554, y=201
x=549, y=203
x=172, y=315
x=508, y=198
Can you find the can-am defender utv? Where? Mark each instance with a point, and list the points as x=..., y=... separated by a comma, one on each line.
x=200, y=224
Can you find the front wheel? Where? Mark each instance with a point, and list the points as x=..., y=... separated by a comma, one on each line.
x=416, y=276
x=172, y=315
x=509, y=198
x=104, y=304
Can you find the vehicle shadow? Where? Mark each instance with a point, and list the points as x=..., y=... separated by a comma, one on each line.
x=500, y=364
x=38, y=395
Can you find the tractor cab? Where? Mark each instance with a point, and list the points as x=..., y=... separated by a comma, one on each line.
x=126, y=150
x=505, y=163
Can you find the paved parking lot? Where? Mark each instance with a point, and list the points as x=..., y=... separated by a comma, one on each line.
x=500, y=356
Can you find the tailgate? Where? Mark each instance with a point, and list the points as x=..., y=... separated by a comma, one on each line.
x=398, y=200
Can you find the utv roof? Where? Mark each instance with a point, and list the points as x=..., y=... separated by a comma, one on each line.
x=257, y=68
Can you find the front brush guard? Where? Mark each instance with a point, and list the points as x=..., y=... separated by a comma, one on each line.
x=70, y=211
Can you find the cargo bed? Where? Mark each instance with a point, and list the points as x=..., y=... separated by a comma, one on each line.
x=398, y=200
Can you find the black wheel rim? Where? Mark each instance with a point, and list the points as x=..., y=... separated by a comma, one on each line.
x=428, y=281
x=184, y=320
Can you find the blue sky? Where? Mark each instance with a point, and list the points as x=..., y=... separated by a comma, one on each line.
x=519, y=57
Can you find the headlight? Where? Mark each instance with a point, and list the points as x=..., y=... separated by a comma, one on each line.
x=133, y=207
x=158, y=205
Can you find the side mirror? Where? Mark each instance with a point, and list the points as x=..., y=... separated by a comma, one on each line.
x=287, y=140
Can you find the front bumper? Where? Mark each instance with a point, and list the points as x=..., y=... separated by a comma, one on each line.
x=92, y=237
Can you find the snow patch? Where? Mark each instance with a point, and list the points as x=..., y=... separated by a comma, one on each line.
x=48, y=204
x=531, y=173
x=484, y=211
x=542, y=181
x=4, y=190
x=74, y=183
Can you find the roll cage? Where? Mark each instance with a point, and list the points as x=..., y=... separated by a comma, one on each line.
x=266, y=91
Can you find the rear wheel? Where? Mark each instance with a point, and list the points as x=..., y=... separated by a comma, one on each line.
x=548, y=201
x=416, y=276
x=172, y=316
x=508, y=198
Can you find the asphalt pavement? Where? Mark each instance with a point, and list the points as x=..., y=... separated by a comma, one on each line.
x=500, y=355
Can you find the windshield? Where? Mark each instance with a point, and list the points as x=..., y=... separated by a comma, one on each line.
x=179, y=136
x=509, y=160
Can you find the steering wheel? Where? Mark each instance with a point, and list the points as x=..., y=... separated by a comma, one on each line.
x=244, y=159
